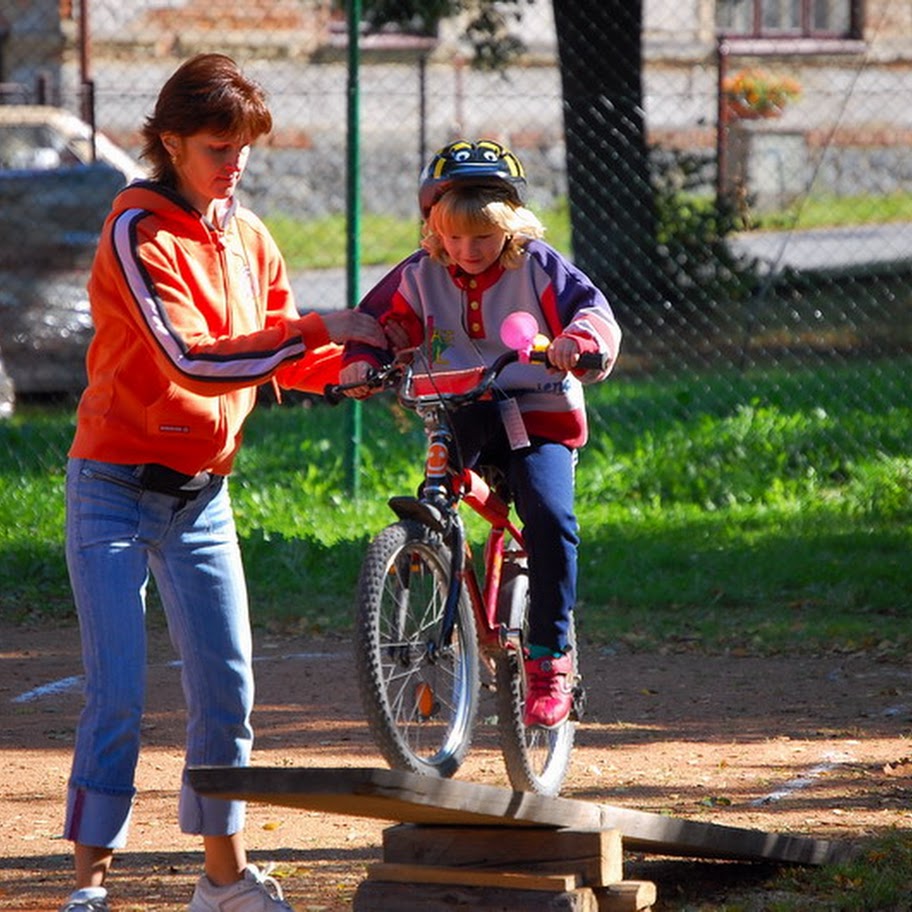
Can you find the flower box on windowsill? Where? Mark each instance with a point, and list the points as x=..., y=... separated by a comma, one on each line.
x=738, y=110
x=755, y=94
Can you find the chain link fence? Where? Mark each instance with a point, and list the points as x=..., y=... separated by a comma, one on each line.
x=778, y=184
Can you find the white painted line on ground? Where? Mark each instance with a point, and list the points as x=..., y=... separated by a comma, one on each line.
x=830, y=762
x=64, y=685
x=47, y=690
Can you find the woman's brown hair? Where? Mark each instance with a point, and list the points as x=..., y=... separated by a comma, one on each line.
x=207, y=92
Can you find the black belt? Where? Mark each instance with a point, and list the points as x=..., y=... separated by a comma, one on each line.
x=164, y=480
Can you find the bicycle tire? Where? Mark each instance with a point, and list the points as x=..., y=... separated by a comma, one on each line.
x=537, y=760
x=420, y=705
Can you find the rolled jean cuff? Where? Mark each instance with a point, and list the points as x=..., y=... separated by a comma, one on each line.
x=199, y=815
x=97, y=818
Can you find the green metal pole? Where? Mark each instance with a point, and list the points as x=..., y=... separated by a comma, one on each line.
x=353, y=231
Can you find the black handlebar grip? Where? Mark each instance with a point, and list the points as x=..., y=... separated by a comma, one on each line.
x=594, y=361
x=587, y=361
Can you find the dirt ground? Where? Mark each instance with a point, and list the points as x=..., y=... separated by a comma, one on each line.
x=813, y=746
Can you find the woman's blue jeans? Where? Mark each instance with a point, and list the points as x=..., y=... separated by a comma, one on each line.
x=116, y=534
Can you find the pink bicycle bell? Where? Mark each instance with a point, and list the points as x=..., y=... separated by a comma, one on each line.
x=519, y=331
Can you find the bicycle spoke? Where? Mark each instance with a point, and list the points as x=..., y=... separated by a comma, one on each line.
x=420, y=699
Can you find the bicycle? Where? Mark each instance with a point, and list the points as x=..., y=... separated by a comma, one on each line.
x=427, y=619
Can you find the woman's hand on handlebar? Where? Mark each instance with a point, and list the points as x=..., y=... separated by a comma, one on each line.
x=352, y=375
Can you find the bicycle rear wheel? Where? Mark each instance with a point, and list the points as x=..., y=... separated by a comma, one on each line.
x=537, y=759
x=420, y=697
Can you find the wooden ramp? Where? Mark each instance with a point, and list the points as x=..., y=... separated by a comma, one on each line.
x=408, y=798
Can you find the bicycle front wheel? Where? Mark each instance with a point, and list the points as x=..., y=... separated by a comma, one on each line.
x=420, y=696
x=537, y=759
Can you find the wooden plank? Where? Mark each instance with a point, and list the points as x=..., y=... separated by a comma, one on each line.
x=595, y=856
x=410, y=798
x=393, y=795
x=388, y=896
x=470, y=877
x=658, y=834
x=626, y=896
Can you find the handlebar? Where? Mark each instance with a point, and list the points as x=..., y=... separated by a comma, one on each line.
x=379, y=379
x=393, y=375
x=587, y=360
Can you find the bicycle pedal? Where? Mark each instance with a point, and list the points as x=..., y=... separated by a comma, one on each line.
x=511, y=638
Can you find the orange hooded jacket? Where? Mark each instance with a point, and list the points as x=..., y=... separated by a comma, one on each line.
x=189, y=320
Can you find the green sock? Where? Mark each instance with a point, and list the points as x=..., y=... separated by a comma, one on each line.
x=541, y=652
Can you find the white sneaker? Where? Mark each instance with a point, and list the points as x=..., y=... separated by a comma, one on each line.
x=88, y=899
x=255, y=892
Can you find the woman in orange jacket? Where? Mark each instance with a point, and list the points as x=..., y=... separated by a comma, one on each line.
x=193, y=311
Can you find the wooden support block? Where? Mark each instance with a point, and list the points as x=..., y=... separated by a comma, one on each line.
x=388, y=896
x=595, y=856
x=626, y=896
x=470, y=877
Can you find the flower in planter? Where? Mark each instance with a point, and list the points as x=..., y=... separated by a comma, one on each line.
x=756, y=93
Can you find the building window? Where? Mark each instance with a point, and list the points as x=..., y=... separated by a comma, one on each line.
x=788, y=18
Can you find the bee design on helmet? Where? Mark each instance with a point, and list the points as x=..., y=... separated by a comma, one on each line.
x=484, y=162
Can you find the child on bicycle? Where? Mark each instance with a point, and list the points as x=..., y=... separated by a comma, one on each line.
x=482, y=258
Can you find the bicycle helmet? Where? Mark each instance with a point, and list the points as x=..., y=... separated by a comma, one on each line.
x=478, y=163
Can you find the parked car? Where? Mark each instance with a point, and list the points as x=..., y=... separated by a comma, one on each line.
x=54, y=196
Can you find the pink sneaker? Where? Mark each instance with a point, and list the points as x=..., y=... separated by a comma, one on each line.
x=549, y=691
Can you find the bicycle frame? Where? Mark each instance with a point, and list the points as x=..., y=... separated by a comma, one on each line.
x=446, y=485
x=478, y=495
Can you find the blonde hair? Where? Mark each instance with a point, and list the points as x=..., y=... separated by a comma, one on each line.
x=472, y=209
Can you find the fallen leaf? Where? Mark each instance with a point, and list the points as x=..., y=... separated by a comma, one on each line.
x=901, y=767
